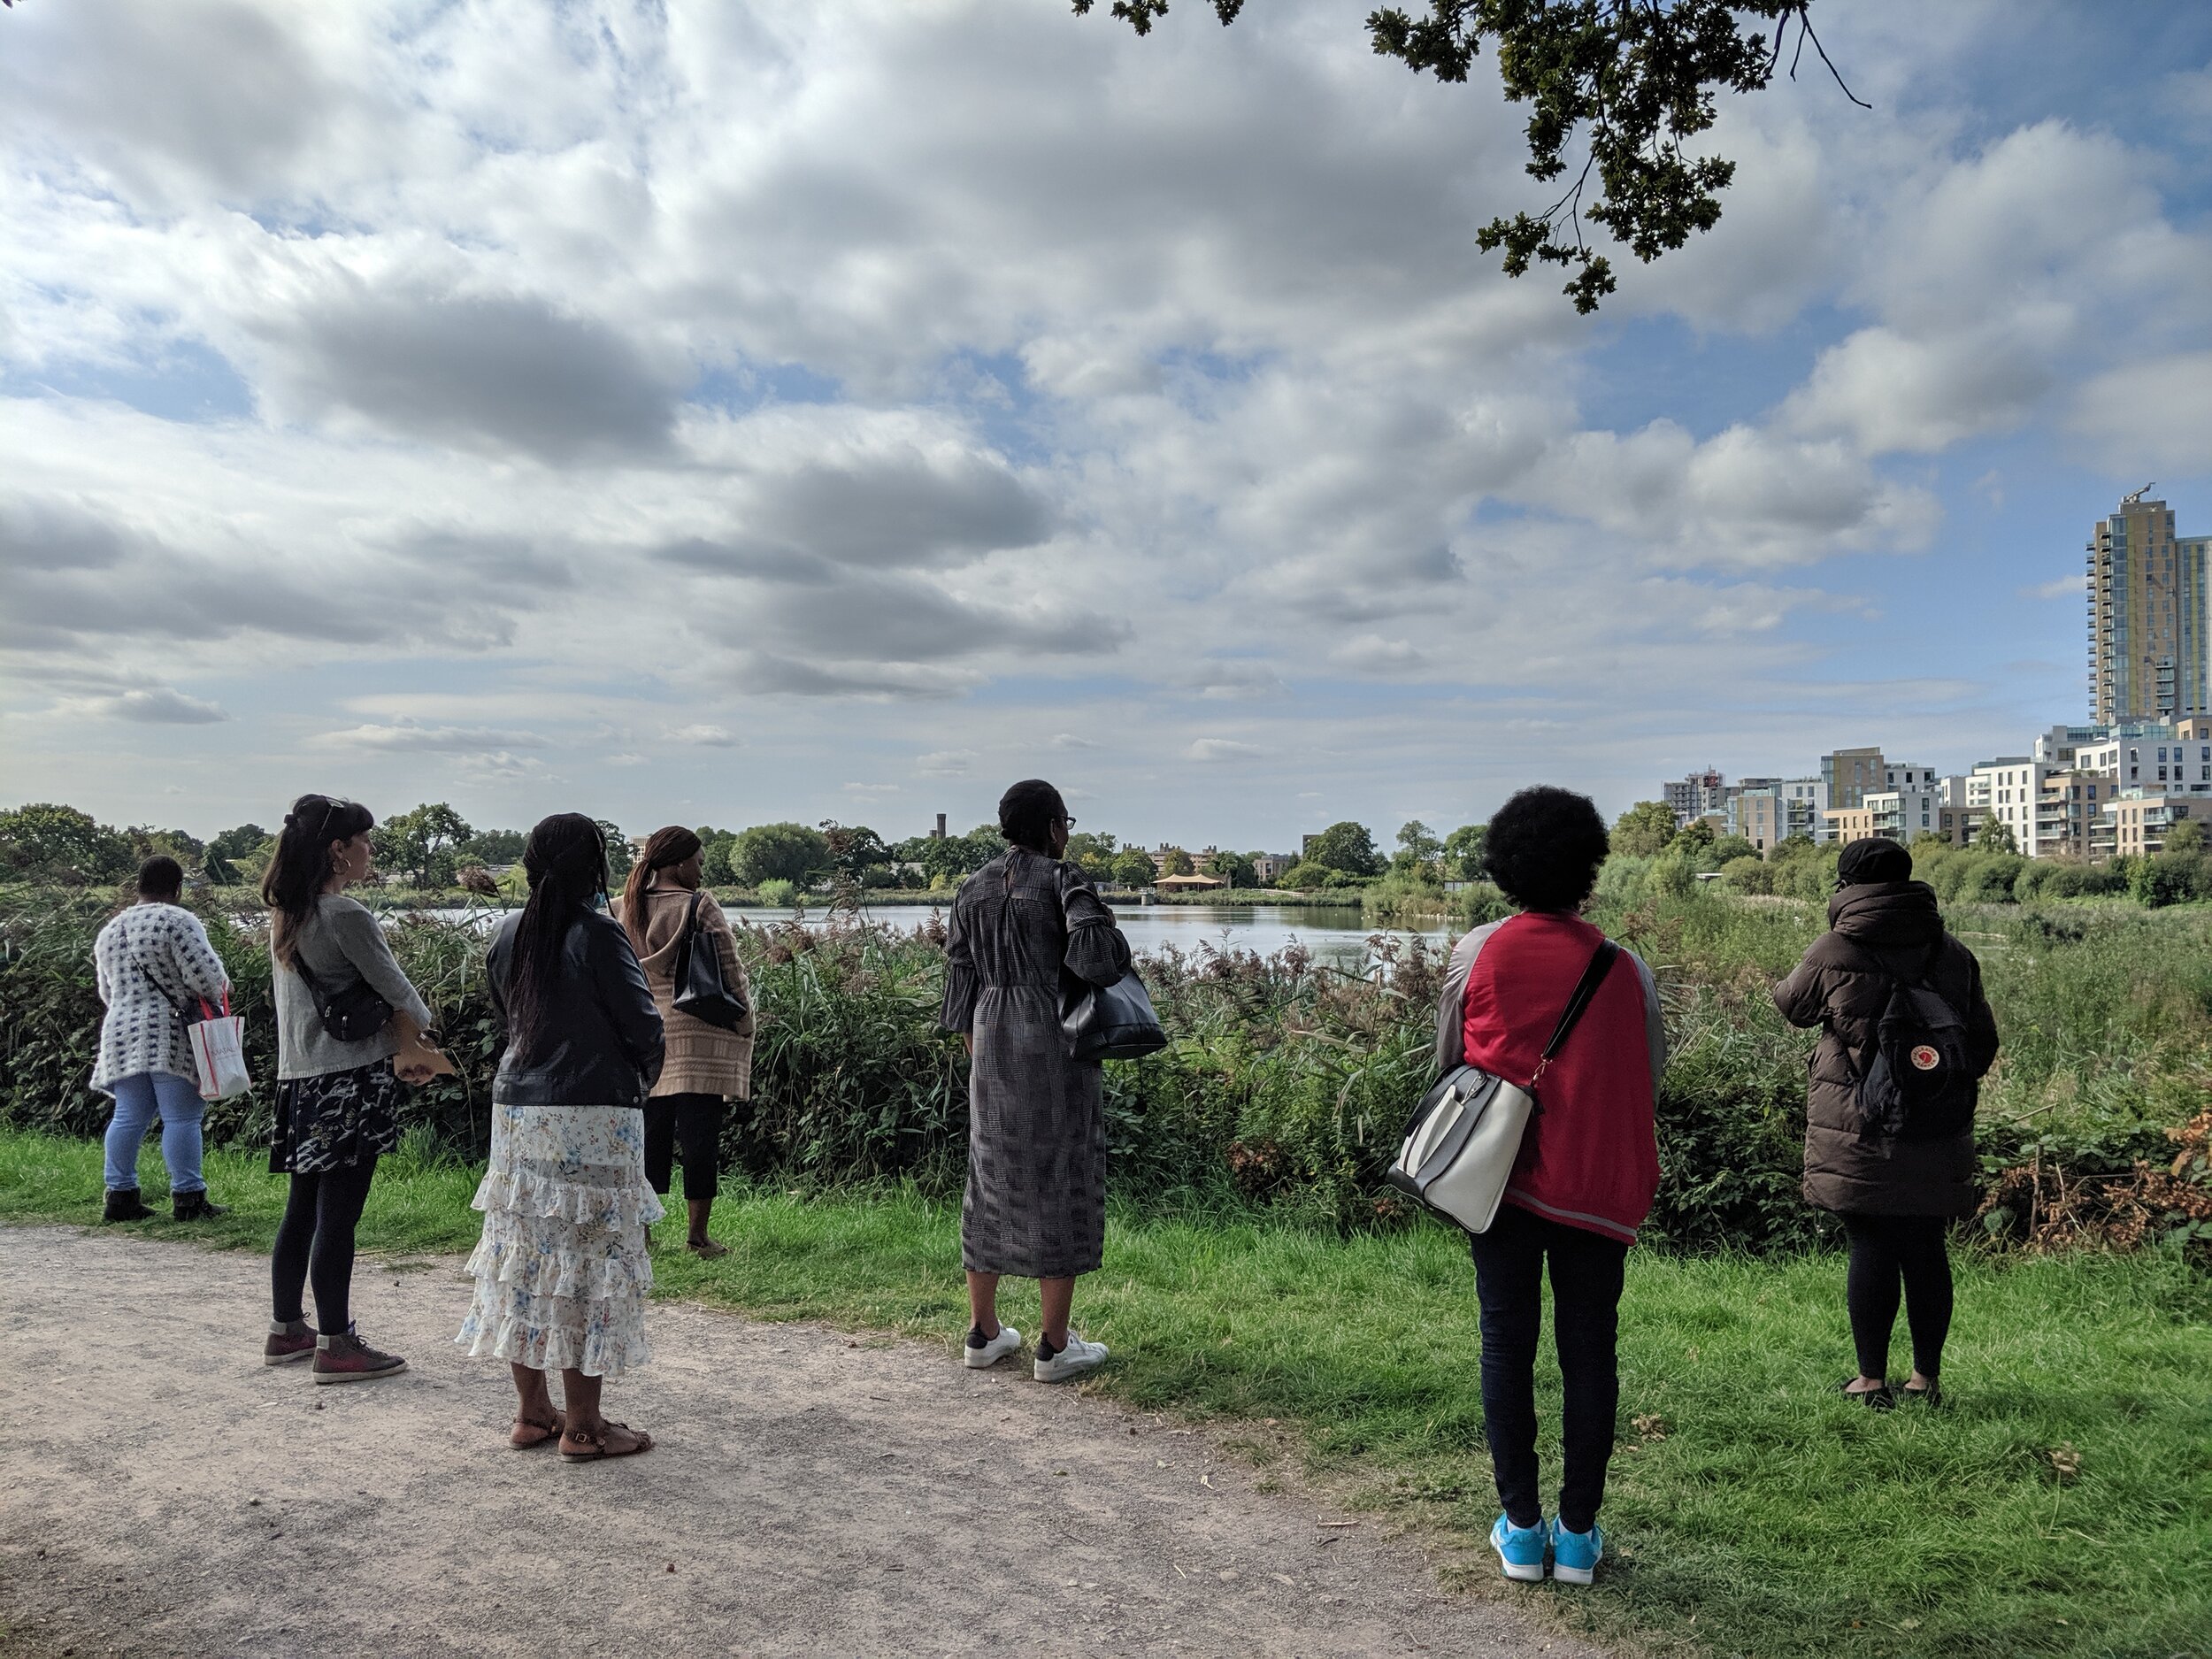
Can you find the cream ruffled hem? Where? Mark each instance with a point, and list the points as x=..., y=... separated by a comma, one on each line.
x=526, y=1193
x=549, y=1333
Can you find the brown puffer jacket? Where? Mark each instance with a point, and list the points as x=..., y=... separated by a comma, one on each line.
x=1843, y=985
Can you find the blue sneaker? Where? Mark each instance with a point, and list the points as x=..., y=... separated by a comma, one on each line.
x=1574, y=1555
x=1520, y=1550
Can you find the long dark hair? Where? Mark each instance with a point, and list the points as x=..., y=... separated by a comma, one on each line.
x=295, y=874
x=662, y=848
x=565, y=860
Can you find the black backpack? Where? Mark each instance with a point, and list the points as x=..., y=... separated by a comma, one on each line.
x=1918, y=1086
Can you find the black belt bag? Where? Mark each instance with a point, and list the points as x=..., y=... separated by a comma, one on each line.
x=354, y=1015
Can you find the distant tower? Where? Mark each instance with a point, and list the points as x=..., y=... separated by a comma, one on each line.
x=938, y=833
x=2148, y=657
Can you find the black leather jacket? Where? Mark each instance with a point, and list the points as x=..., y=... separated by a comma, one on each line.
x=601, y=1036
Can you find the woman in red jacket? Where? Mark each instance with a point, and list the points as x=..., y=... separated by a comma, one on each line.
x=1588, y=1165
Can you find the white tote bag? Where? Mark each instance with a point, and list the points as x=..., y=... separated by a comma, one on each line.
x=1466, y=1135
x=219, y=1052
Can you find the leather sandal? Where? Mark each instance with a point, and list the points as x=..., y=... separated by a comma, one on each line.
x=540, y=1432
x=599, y=1447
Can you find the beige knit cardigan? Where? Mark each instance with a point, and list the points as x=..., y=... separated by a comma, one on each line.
x=703, y=1059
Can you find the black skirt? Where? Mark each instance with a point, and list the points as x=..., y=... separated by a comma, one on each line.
x=332, y=1121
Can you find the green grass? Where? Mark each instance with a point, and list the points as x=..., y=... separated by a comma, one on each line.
x=1753, y=1512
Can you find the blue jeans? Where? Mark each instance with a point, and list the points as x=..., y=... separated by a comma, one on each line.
x=136, y=1101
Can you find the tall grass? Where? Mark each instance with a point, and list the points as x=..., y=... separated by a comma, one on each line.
x=1287, y=1082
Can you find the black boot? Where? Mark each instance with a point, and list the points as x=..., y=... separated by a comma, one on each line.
x=194, y=1207
x=123, y=1205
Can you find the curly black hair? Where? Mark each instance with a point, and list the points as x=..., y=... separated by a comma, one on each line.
x=1544, y=848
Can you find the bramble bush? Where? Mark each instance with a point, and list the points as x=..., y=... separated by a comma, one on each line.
x=1287, y=1083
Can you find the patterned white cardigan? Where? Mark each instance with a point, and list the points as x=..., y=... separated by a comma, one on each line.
x=148, y=950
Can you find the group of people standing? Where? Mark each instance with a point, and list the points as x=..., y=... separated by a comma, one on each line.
x=603, y=1079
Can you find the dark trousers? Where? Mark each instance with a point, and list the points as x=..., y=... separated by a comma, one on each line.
x=1887, y=1253
x=315, y=1240
x=1586, y=1270
x=692, y=1122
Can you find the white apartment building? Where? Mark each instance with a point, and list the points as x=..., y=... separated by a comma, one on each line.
x=2010, y=789
x=1904, y=814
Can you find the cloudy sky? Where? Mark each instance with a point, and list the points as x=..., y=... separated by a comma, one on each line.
x=717, y=412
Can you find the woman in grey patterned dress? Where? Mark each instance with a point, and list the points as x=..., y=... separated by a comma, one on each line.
x=1024, y=927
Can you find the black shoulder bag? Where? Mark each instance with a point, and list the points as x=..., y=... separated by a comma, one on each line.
x=701, y=990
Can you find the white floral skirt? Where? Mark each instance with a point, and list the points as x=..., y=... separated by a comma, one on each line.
x=561, y=1269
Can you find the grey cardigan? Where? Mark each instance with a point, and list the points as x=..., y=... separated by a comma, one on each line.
x=342, y=944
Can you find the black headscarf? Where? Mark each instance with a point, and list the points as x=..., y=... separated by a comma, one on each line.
x=1875, y=858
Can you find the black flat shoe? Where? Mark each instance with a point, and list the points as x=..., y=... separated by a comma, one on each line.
x=1872, y=1399
x=1931, y=1396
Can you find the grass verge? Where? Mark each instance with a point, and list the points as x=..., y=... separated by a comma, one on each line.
x=2059, y=1504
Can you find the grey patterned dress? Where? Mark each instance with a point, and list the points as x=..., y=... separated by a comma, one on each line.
x=1035, y=1205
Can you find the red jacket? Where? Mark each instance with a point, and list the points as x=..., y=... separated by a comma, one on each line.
x=1590, y=1158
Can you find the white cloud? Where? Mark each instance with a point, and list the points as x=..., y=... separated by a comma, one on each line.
x=705, y=736
x=408, y=737
x=2156, y=414
x=2059, y=587
x=945, y=762
x=1215, y=749
x=162, y=707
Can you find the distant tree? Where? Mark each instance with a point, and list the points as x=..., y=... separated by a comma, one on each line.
x=1797, y=844
x=147, y=843
x=1725, y=849
x=1133, y=868
x=1692, y=839
x=1237, y=869
x=2184, y=835
x=620, y=856
x=1995, y=836
x=1463, y=852
x=1308, y=873
x=1635, y=77
x=716, y=865
x=1347, y=847
x=1094, y=852
x=1927, y=839
x=1646, y=828
x=854, y=849
x=781, y=852
x=493, y=846
x=1177, y=863
x=241, y=842
x=421, y=843
x=45, y=842
x=1748, y=874
x=1420, y=854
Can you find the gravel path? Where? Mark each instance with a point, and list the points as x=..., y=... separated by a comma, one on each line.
x=161, y=1492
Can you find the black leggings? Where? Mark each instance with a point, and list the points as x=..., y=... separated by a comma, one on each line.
x=1586, y=1273
x=694, y=1121
x=315, y=1240
x=1885, y=1252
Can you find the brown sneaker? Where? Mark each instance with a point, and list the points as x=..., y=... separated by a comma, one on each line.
x=294, y=1342
x=347, y=1358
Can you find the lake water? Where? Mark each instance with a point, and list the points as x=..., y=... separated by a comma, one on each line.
x=1337, y=936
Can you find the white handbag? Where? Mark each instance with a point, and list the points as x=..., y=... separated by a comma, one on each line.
x=1466, y=1135
x=219, y=1052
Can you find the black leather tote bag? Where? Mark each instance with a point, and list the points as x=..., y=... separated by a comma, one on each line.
x=1111, y=1022
x=701, y=991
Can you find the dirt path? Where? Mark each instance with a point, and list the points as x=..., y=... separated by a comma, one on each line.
x=161, y=1492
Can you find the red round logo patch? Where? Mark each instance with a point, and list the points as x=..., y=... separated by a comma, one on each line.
x=1926, y=1059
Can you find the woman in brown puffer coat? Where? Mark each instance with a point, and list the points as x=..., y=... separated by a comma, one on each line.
x=1895, y=1197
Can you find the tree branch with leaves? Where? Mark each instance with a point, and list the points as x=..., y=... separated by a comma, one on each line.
x=1632, y=80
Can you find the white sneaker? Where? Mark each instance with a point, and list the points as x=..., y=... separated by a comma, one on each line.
x=997, y=1348
x=1071, y=1360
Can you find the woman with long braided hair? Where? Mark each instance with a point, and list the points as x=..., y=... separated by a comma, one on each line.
x=562, y=1272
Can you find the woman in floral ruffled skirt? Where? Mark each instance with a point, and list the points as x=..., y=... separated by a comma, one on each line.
x=562, y=1272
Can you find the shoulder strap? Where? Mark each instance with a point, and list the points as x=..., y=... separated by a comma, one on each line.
x=1602, y=962
x=138, y=963
x=691, y=912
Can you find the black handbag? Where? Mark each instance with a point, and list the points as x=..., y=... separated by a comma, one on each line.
x=701, y=991
x=1111, y=1022
x=355, y=1015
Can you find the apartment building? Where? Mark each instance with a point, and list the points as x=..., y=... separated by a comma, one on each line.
x=2136, y=825
x=2067, y=811
x=1904, y=815
x=2146, y=615
x=1765, y=810
x=1847, y=774
x=1700, y=794
x=2010, y=789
